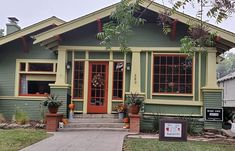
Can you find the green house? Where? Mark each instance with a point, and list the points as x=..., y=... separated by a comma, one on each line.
x=66, y=59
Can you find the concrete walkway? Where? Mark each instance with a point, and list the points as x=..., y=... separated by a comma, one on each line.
x=81, y=141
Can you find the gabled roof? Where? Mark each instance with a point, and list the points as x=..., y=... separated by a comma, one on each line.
x=229, y=37
x=30, y=29
x=227, y=77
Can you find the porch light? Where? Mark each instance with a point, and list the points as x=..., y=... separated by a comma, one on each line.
x=128, y=66
x=68, y=65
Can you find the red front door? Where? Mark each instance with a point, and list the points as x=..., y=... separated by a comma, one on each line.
x=98, y=87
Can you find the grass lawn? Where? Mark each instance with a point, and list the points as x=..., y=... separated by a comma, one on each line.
x=13, y=140
x=156, y=145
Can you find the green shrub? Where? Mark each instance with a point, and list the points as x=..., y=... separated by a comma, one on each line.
x=21, y=117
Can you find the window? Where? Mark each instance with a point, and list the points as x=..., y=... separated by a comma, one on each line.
x=35, y=77
x=172, y=74
x=78, y=79
x=118, y=68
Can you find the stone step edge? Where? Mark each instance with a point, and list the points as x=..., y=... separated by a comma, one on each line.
x=92, y=129
x=108, y=123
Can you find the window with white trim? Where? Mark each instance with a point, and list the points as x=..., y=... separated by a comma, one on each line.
x=172, y=74
x=35, y=77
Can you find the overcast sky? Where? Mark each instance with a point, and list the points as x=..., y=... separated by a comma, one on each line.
x=32, y=11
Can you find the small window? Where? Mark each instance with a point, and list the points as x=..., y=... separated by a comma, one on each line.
x=43, y=67
x=172, y=74
x=78, y=79
x=22, y=66
x=118, y=80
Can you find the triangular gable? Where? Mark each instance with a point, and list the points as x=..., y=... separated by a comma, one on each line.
x=30, y=29
x=229, y=36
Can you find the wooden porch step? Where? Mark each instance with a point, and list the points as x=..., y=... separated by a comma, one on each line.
x=94, y=125
x=96, y=120
x=93, y=129
x=96, y=116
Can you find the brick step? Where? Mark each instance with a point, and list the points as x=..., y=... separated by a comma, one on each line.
x=93, y=129
x=95, y=115
x=95, y=120
x=94, y=125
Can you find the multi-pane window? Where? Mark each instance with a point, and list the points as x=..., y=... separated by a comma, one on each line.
x=35, y=77
x=118, y=68
x=78, y=80
x=172, y=74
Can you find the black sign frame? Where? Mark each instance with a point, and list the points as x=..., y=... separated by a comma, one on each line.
x=209, y=117
x=183, y=123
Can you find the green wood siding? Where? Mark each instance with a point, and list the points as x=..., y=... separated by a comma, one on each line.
x=171, y=109
x=31, y=107
x=63, y=95
x=214, y=100
x=148, y=123
x=9, y=53
x=148, y=35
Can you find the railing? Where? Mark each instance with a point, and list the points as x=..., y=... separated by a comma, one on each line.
x=229, y=103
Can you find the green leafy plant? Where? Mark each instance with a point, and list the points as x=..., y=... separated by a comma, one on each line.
x=122, y=21
x=135, y=99
x=156, y=122
x=192, y=125
x=21, y=117
x=51, y=101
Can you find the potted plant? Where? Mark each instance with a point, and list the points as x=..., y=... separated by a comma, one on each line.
x=134, y=102
x=121, y=109
x=52, y=103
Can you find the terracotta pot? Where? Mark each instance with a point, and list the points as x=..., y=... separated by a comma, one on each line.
x=53, y=110
x=126, y=120
x=134, y=109
x=71, y=106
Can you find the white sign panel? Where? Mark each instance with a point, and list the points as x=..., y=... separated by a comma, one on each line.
x=173, y=130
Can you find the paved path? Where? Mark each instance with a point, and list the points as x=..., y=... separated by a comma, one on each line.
x=81, y=141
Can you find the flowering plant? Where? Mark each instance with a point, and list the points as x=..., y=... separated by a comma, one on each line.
x=120, y=108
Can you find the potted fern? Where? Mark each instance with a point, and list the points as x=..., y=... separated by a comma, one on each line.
x=134, y=102
x=52, y=103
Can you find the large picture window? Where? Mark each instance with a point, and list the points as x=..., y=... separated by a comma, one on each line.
x=78, y=79
x=35, y=77
x=172, y=74
x=118, y=68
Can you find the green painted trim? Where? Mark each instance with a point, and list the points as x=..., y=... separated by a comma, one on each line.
x=149, y=76
x=118, y=55
x=128, y=73
x=79, y=55
x=99, y=55
x=142, y=71
x=203, y=69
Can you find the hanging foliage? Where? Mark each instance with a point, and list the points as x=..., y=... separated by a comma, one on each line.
x=121, y=24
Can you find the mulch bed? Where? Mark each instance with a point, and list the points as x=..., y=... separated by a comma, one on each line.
x=30, y=124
